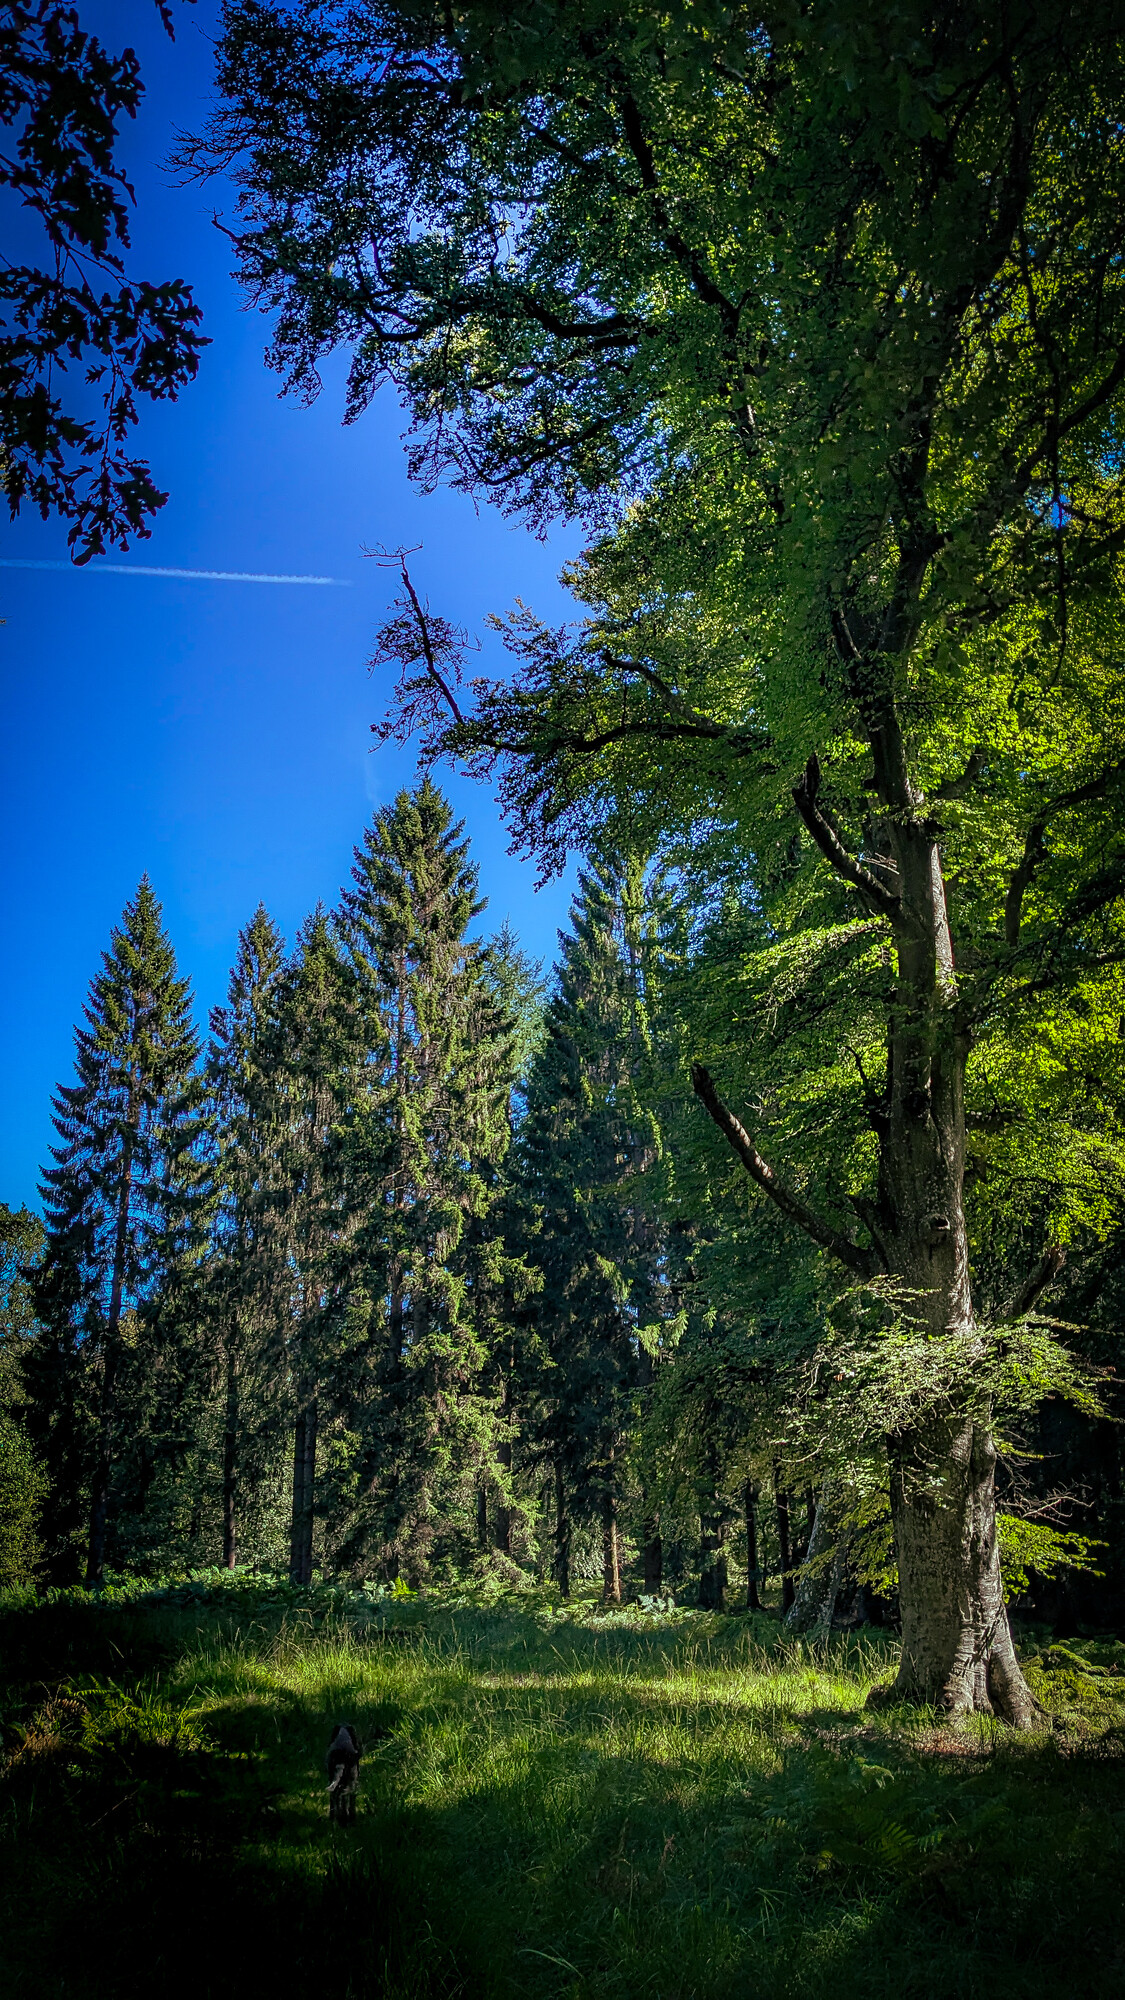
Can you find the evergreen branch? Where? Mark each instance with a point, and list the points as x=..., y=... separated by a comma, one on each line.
x=759, y=1170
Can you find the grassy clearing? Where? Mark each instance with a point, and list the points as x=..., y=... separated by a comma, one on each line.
x=563, y=1807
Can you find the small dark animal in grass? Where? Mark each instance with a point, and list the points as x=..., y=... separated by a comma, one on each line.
x=343, y=1774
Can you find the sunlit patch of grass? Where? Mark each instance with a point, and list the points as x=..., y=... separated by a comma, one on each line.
x=556, y=1807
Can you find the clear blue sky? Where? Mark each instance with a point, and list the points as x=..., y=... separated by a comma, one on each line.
x=217, y=734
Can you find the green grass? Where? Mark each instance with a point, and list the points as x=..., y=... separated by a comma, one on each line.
x=565, y=1807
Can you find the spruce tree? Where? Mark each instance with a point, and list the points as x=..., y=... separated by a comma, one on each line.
x=323, y=1051
x=122, y=1199
x=247, y=1271
x=445, y=1109
x=22, y=1477
x=586, y=1141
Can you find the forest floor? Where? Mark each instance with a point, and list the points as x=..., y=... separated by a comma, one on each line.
x=565, y=1806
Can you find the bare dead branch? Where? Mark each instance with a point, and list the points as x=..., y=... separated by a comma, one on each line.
x=427, y=648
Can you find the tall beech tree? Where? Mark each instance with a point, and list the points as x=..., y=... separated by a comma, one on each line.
x=122, y=1200
x=827, y=307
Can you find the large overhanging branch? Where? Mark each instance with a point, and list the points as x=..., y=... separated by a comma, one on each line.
x=762, y=1174
x=1044, y=1274
x=846, y=866
x=1035, y=846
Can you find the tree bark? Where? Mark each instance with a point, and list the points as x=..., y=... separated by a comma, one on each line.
x=611, y=1566
x=814, y=1602
x=304, y=1485
x=750, y=1509
x=230, y=1462
x=957, y=1646
x=957, y=1650
x=562, y=1533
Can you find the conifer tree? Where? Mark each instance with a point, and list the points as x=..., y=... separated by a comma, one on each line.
x=322, y=1064
x=586, y=1140
x=444, y=1111
x=248, y=1274
x=22, y=1478
x=123, y=1197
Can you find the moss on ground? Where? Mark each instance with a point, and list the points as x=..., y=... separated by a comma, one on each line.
x=557, y=1804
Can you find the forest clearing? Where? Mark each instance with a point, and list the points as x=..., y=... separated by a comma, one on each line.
x=579, y=1459
x=568, y=1803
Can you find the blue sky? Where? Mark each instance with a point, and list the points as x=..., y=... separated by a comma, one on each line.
x=217, y=734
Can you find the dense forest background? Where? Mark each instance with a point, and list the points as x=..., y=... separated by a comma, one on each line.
x=773, y=1240
x=425, y=1268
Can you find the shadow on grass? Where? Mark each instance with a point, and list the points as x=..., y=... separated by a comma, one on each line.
x=187, y=1886
x=551, y=1819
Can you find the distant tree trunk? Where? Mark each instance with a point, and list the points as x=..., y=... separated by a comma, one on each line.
x=750, y=1507
x=784, y=1550
x=103, y=1463
x=103, y=1466
x=562, y=1533
x=230, y=1462
x=819, y=1586
x=504, y=1459
x=611, y=1566
x=653, y=1554
x=713, y=1558
x=652, y=1544
x=304, y=1484
x=809, y=1519
x=482, y=1517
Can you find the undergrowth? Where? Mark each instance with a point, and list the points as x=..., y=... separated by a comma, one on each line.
x=557, y=1803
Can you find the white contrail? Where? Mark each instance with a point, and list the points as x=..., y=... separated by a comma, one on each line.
x=197, y=575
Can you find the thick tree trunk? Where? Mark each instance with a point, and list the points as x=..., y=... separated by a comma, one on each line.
x=230, y=1463
x=750, y=1512
x=957, y=1651
x=611, y=1565
x=957, y=1648
x=562, y=1534
x=304, y=1486
x=713, y=1558
x=785, y=1554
